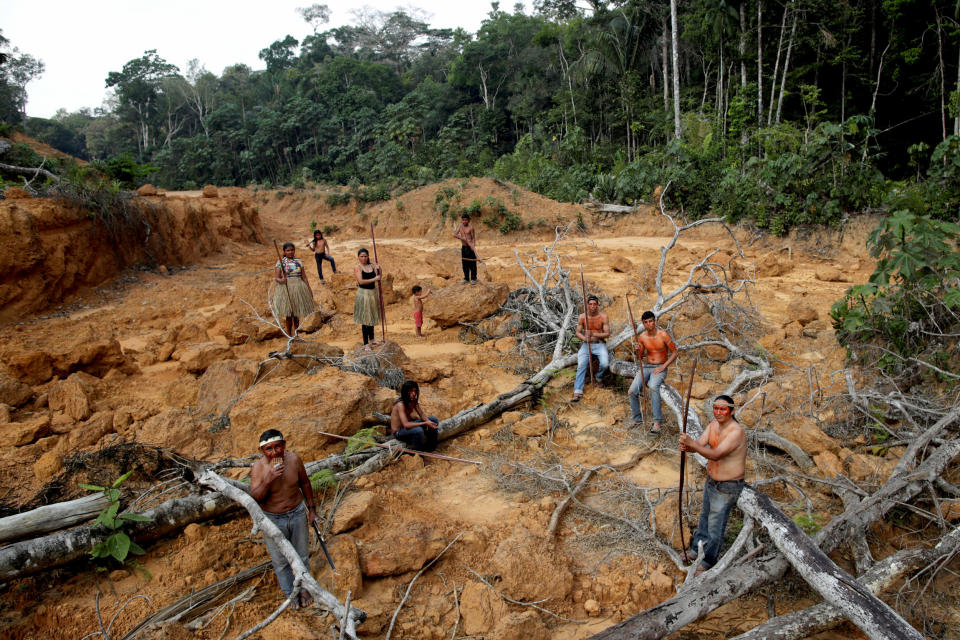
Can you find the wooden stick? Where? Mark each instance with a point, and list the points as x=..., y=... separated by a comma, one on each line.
x=405, y=450
x=633, y=352
x=383, y=319
x=586, y=323
x=683, y=454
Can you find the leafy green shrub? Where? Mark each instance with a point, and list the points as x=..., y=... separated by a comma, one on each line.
x=118, y=544
x=330, y=228
x=127, y=171
x=323, y=479
x=375, y=193
x=337, y=198
x=913, y=294
x=362, y=439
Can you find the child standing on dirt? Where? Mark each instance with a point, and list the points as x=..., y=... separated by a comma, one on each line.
x=418, y=296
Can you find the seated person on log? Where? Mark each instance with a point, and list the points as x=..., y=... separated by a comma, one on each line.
x=279, y=483
x=419, y=435
x=724, y=445
x=593, y=329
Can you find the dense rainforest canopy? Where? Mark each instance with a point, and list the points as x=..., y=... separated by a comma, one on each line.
x=780, y=112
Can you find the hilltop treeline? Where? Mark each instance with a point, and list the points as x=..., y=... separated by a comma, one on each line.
x=789, y=112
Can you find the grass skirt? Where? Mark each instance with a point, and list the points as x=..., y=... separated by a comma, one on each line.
x=366, y=307
x=302, y=304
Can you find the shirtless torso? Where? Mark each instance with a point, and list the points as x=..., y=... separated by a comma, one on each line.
x=655, y=348
x=465, y=233
x=319, y=246
x=276, y=485
x=402, y=417
x=593, y=327
x=724, y=445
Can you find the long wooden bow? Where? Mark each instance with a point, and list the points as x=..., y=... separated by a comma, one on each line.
x=379, y=271
x=586, y=322
x=643, y=383
x=683, y=454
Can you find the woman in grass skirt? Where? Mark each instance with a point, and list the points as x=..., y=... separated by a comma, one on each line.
x=292, y=296
x=366, y=306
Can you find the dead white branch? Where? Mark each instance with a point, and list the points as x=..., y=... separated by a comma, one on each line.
x=301, y=572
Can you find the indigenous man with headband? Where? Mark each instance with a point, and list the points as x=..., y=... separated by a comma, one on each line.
x=659, y=349
x=279, y=483
x=724, y=445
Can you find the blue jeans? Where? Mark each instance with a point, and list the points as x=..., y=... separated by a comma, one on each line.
x=653, y=382
x=598, y=349
x=293, y=526
x=718, y=500
x=320, y=257
x=419, y=438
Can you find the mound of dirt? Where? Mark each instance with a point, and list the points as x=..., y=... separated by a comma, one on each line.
x=50, y=250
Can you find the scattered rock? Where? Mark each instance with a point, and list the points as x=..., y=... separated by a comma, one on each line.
x=526, y=625
x=326, y=352
x=315, y=321
x=620, y=263
x=353, y=511
x=408, y=549
x=772, y=264
x=829, y=464
x=466, y=302
x=13, y=392
x=195, y=358
x=147, y=190
x=346, y=557
x=504, y=345
x=210, y=191
x=179, y=431
x=72, y=396
x=481, y=609
x=805, y=433
x=4, y=413
x=31, y=367
x=592, y=607
x=222, y=383
x=94, y=356
x=48, y=465
x=826, y=273
x=702, y=390
x=23, y=433
x=531, y=427
x=803, y=313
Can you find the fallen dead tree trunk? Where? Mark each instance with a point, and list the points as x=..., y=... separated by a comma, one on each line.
x=52, y=517
x=704, y=597
x=300, y=571
x=30, y=556
x=824, y=616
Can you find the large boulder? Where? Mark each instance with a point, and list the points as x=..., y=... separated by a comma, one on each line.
x=95, y=357
x=327, y=353
x=446, y=262
x=22, y=433
x=30, y=367
x=465, y=302
x=331, y=400
x=179, y=431
x=222, y=383
x=355, y=509
x=13, y=392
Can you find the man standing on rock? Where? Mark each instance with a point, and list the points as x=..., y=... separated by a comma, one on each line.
x=724, y=444
x=466, y=234
x=279, y=483
x=593, y=329
x=659, y=349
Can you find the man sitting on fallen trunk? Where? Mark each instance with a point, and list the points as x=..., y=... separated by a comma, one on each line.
x=724, y=445
x=279, y=483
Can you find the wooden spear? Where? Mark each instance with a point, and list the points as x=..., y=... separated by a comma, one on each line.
x=586, y=322
x=643, y=383
x=383, y=320
x=426, y=454
x=683, y=454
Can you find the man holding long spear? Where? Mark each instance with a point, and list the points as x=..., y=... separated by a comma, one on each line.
x=724, y=445
x=593, y=329
x=658, y=348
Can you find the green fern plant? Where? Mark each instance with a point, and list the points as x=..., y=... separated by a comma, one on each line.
x=118, y=544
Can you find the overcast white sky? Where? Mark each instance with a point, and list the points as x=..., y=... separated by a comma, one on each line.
x=81, y=42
